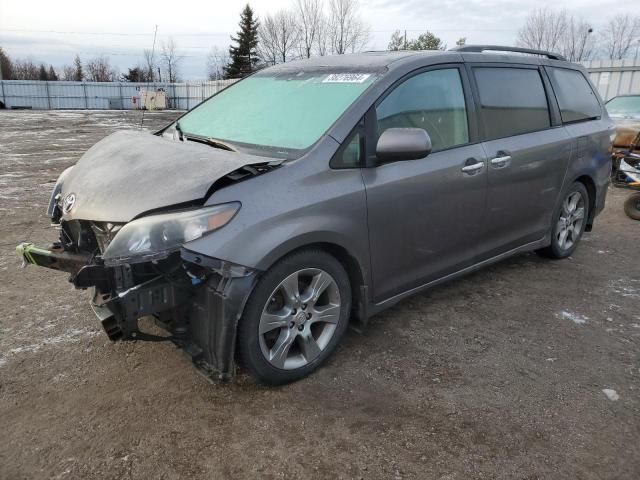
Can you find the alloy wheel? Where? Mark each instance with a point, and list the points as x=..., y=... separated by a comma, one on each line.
x=299, y=319
x=569, y=226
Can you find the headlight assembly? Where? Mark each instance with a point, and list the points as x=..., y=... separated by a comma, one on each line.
x=156, y=236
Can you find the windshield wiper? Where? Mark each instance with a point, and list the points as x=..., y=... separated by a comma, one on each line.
x=214, y=142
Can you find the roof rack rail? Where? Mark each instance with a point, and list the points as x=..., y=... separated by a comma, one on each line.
x=532, y=51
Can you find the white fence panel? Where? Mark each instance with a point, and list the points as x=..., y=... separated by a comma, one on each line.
x=102, y=95
x=614, y=77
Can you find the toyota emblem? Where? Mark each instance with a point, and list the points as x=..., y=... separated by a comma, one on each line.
x=68, y=203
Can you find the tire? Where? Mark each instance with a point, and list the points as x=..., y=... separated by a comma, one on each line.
x=295, y=317
x=632, y=206
x=569, y=222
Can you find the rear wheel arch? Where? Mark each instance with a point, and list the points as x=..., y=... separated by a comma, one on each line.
x=590, y=185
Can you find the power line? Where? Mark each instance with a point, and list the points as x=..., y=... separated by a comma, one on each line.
x=213, y=34
x=122, y=34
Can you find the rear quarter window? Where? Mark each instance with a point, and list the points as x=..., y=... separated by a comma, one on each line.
x=576, y=98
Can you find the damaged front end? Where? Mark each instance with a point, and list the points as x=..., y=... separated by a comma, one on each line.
x=142, y=268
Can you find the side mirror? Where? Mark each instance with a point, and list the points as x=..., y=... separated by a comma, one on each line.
x=403, y=144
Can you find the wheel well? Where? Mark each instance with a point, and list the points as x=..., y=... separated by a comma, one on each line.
x=590, y=185
x=356, y=278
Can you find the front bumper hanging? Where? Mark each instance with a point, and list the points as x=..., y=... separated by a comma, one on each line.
x=201, y=312
x=54, y=257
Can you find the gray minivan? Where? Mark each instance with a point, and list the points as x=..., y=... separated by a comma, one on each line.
x=318, y=192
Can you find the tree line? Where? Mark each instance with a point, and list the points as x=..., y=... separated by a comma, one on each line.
x=577, y=39
x=96, y=69
x=332, y=27
x=307, y=28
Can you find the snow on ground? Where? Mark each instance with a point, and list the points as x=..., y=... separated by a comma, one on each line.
x=574, y=317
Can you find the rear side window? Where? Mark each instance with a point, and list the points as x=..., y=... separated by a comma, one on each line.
x=575, y=96
x=513, y=101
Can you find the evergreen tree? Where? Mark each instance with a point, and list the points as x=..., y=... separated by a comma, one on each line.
x=6, y=66
x=42, y=75
x=244, y=55
x=135, y=75
x=425, y=41
x=79, y=74
x=52, y=73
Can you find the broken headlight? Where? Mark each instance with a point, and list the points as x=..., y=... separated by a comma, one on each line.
x=156, y=236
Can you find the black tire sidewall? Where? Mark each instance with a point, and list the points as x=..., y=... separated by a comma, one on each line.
x=555, y=249
x=249, y=352
x=631, y=206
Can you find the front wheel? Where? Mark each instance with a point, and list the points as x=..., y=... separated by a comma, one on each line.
x=569, y=222
x=632, y=206
x=295, y=317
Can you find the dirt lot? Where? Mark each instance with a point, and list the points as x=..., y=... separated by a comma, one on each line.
x=499, y=375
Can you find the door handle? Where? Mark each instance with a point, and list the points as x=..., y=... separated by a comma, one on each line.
x=501, y=161
x=472, y=167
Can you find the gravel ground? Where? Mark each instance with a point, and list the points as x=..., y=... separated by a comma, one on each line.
x=528, y=369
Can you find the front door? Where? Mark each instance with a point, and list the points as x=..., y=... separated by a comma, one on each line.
x=424, y=214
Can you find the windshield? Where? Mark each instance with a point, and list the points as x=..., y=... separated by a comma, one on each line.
x=624, y=106
x=282, y=111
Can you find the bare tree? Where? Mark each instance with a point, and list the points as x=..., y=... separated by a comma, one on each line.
x=398, y=41
x=348, y=33
x=309, y=19
x=99, y=70
x=323, y=37
x=619, y=34
x=278, y=37
x=216, y=61
x=149, y=64
x=25, y=70
x=68, y=73
x=543, y=29
x=170, y=60
x=577, y=42
x=547, y=29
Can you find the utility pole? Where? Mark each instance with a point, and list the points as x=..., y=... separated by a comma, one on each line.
x=405, y=40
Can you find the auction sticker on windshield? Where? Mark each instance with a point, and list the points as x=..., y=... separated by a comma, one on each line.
x=346, y=78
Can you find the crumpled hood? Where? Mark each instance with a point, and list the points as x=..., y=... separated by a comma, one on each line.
x=132, y=172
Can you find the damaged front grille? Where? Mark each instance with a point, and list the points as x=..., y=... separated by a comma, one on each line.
x=104, y=233
x=87, y=237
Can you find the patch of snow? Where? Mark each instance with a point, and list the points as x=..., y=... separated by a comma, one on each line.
x=574, y=317
x=73, y=335
x=626, y=287
x=611, y=394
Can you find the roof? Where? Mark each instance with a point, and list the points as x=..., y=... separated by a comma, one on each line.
x=382, y=60
x=369, y=60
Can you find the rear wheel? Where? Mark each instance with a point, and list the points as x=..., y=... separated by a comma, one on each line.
x=569, y=222
x=632, y=206
x=295, y=317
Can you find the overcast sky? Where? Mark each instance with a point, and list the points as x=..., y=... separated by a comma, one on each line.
x=54, y=31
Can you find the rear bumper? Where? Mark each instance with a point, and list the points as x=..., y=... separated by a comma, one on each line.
x=200, y=311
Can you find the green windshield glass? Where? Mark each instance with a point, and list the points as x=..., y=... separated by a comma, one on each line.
x=624, y=106
x=289, y=112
